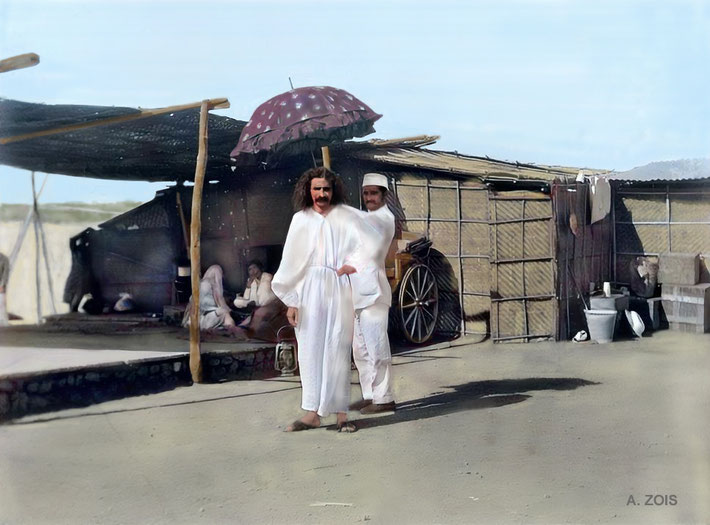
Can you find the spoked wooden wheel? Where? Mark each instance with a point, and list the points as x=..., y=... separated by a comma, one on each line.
x=418, y=303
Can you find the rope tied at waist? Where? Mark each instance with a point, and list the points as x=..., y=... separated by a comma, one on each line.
x=322, y=266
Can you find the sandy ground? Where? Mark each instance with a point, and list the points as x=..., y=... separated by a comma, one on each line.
x=22, y=288
x=536, y=433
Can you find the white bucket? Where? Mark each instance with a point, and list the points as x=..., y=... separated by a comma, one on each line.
x=601, y=324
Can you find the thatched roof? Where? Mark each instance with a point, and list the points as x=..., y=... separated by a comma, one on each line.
x=108, y=142
x=408, y=153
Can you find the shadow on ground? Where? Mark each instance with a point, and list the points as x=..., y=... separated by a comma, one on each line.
x=61, y=416
x=421, y=359
x=472, y=396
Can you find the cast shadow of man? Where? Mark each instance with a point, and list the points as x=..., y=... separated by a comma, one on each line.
x=472, y=396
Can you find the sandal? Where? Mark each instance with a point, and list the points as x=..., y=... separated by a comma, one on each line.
x=347, y=427
x=299, y=425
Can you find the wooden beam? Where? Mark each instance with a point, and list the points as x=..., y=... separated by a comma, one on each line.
x=183, y=222
x=326, y=157
x=25, y=226
x=19, y=62
x=195, y=227
x=216, y=103
x=35, y=215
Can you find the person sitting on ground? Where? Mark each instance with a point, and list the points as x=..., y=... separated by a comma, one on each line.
x=264, y=314
x=214, y=311
x=257, y=292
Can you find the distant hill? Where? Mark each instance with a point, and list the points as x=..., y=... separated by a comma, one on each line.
x=68, y=212
x=668, y=170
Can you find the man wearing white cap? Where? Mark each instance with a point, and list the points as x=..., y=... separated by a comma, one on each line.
x=372, y=297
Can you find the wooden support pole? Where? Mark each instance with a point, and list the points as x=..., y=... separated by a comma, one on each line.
x=47, y=266
x=19, y=62
x=183, y=222
x=326, y=156
x=36, y=227
x=23, y=230
x=195, y=227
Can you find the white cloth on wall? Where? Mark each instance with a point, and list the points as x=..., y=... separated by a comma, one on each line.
x=316, y=246
x=600, y=198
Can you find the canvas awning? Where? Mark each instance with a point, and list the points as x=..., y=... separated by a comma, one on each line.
x=132, y=143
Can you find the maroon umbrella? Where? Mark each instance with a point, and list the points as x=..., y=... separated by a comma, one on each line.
x=303, y=119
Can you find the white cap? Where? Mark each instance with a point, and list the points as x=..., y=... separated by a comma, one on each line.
x=374, y=179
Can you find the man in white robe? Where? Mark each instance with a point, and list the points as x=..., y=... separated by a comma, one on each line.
x=323, y=246
x=372, y=297
x=257, y=293
x=257, y=289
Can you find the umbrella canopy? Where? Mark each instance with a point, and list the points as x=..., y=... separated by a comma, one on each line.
x=302, y=119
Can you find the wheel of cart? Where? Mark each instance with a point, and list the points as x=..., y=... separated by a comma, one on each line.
x=415, y=298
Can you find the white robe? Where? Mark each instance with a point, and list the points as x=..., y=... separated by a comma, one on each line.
x=372, y=296
x=316, y=246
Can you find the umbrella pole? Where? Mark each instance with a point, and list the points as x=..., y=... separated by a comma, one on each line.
x=326, y=156
x=195, y=227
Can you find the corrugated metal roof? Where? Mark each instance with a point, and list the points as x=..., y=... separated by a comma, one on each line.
x=665, y=171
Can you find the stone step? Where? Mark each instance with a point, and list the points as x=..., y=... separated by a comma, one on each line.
x=682, y=312
x=679, y=268
x=698, y=293
x=688, y=327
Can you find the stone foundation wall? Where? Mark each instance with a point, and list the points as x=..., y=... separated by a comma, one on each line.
x=35, y=393
x=25, y=394
x=228, y=366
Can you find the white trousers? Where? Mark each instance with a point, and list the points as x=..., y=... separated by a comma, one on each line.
x=371, y=353
x=3, y=310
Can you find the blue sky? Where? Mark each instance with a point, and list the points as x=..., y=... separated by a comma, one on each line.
x=601, y=84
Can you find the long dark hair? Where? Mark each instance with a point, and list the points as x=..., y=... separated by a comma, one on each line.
x=302, y=192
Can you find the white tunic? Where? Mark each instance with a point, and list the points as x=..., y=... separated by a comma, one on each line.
x=316, y=246
x=259, y=292
x=371, y=286
x=372, y=297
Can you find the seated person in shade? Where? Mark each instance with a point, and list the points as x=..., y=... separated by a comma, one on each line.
x=214, y=311
x=264, y=313
x=257, y=291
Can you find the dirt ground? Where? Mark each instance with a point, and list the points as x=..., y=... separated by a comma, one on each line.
x=535, y=433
